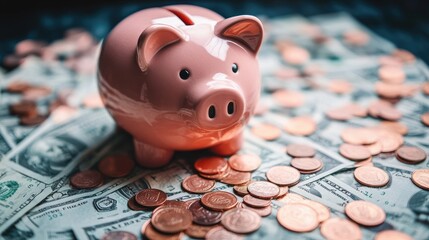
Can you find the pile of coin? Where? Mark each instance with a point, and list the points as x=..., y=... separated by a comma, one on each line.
x=112, y=166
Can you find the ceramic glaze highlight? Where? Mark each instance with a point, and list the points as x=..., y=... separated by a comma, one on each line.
x=181, y=78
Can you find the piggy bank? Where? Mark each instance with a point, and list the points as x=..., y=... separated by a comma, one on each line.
x=181, y=78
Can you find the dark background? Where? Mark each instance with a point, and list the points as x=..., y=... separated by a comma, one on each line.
x=405, y=23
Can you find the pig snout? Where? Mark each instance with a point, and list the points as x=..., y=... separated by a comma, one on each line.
x=220, y=108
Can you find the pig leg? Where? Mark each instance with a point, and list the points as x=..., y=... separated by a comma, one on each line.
x=228, y=147
x=151, y=157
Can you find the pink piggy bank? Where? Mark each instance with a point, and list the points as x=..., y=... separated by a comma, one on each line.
x=181, y=78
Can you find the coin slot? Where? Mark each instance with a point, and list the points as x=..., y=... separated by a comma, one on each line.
x=182, y=15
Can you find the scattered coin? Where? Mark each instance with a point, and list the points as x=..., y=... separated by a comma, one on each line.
x=198, y=231
x=171, y=219
x=283, y=175
x=339, y=86
x=356, y=37
x=371, y=176
x=301, y=126
x=404, y=55
x=217, y=176
x=32, y=121
x=306, y=164
x=358, y=136
x=291, y=198
x=339, y=114
x=411, y=154
x=263, y=212
x=244, y=162
x=374, y=148
x=289, y=98
x=202, y=215
x=151, y=197
x=392, y=234
x=115, y=235
x=220, y=232
x=241, y=220
x=263, y=189
x=323, y=212
x=295, y=55
x=236, y=178
x=211, y=165
x=24, y=108
x=425, y=119
x=392, y=126
x=266, y=131
x=219, y=201
x=365, y=213
x=299, y=150
x=339, y=229
x=420, y=177
x=390, y=141
x=197, y=184
x=87, y=179
x=172, y=203
x=283, y=191
x=256, y=202
x=354, y=152
x=133, y=205
x=116, y=166
x=392, y=74
x=425, y=88
x=18, y=87
x=297, y=217
x=241, y=190
x=151, y=233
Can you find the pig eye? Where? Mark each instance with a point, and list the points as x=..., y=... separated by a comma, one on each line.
x=234, y=68
x=184, y=74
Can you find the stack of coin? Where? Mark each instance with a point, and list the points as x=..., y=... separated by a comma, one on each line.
x=411, y=154
x=303, y=158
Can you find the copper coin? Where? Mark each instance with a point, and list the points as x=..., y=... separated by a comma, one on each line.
x=217, y=176
x=256, y=202
x=151, y=197
x=339, y=114
x=340, y=229
x=211, y=165
x=198, y=231
x=171, y=219
x=390, y=114
x=172, y=203
x=220, y=232
x=17, y=87
x=263, y=189
x=392, y=234
x=23, y=108
x=86, y=179
x=425, y=119
x=236, y=178
x=390, y=141
x=366, y=162
x=119, y=235
x=93, y=101
x=266, y=131
x=219, y=201
x=306, y=164
x=404, y=55
x=241, y=220
x=339, y=86
x=151, y=233
x=283, y=175
x=241, y=190
x=425, y=88
x=392, y=74
x=283, y=191
x=374, y=148
x=356, y=110
x=359, y=136
x=288, y=98
x=322, y=211
x=297, y=217
x=375, y=107
x=36, y=93
x=197, y=184
x=291, y=198
x=354, y=152
x=371, y=176
x=397, y=127
x=189, y=202
x=299, y=150
x=263, y=212
x=204, y=216
x=133, y=205
x=32, y=121
x=420, y=177
x=411, y=154
x=116, y=166
x=300, y=126
x=244, y=162
x=295, y=55
x=365, y=213
x=356, y=37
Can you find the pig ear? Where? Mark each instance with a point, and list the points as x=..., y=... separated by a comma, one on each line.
x=246, y=30
x=153, y=39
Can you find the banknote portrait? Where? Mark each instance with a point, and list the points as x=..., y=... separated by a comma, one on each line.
x=48, y=156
